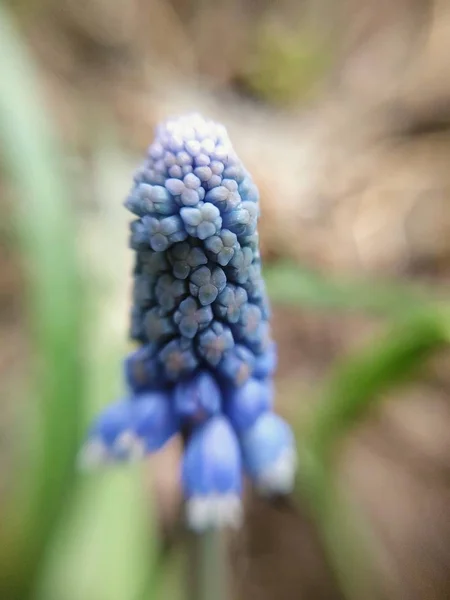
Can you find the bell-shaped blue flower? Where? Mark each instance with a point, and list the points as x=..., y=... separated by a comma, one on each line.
x=211, y=475
x=129, y=429
x=268, y=451
x=107, y=437
x=153, y=420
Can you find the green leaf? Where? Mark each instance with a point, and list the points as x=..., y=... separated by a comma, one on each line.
x=105, y=549
x=288, y=284
x=352, y=390
x=359, y=381
x=45, y=226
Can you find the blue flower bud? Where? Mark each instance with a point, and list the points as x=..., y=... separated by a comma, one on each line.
x=139, y=236
x=237, y=365
x=222, y=247
x=151, y=263
x=207, y=283
x=164, y=232
x=266, y=363
x=230, y=303
x=143, y=290
x=254, y=285
x=203, y=173
x=141, y=369
x=248, y=190
x=178, y=359
x=176, y=172
x=170, y=292
x=225, y=196
x=203, y=221
x=249, y=322
x=236, y=172
x=214, y=342
x=157, y=327
x=260, y=340
x=184, y=257
x=238, y=268
x=197, y=398
x=154, y=199
x=192, y=317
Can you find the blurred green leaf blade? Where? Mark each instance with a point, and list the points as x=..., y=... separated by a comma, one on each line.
x=45, y=227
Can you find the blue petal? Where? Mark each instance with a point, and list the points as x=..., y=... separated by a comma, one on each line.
x=142, y=371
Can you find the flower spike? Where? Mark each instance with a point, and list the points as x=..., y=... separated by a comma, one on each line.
x=205, y=360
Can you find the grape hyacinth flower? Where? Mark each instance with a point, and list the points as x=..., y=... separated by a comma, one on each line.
x=205, y=360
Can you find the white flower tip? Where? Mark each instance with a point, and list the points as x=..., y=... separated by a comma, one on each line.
x=279, y=477
x=129, y=446
x=92, y=455
x=214, y=511
x=95, y=453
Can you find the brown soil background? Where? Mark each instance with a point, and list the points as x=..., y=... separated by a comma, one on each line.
x=358, y=184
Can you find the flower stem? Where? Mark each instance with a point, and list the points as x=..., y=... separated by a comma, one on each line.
x=207, y=564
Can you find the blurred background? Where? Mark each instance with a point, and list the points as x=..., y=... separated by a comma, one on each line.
x=341, y=112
